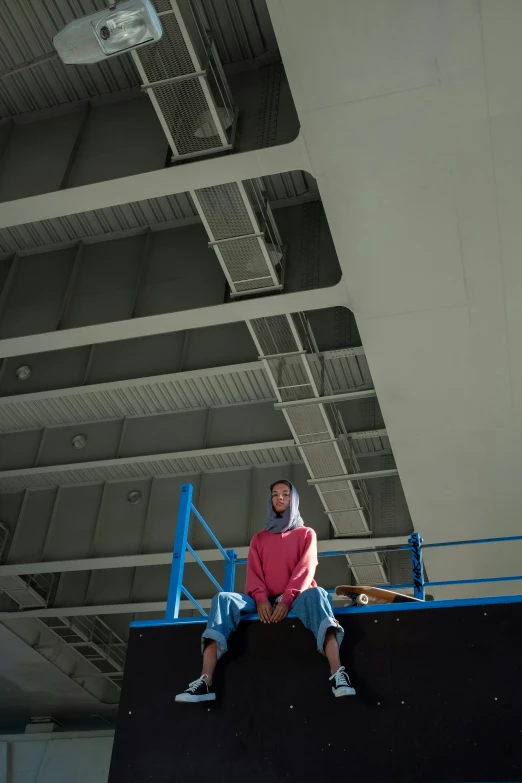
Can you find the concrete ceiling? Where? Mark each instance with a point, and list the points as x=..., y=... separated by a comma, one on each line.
x=411, y=114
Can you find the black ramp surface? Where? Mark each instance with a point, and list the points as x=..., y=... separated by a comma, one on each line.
x=439, y=698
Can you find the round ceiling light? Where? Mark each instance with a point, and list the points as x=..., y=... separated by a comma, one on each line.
x=79, y=441
x=23, y=372
x=134, y=496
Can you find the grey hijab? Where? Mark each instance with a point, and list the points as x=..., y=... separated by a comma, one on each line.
x=291, y=517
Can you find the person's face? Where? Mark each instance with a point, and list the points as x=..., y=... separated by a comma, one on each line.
x=280, y=498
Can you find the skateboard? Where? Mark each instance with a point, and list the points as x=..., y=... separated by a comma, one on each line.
x=363, y=595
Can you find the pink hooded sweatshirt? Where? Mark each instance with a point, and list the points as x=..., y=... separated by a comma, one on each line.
x=282, y=563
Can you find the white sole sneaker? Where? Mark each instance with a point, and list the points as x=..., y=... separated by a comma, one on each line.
x=343, y=692
x=188, y=697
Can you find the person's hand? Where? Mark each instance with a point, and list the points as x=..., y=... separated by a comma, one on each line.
x=264, y=610
x=280, y=612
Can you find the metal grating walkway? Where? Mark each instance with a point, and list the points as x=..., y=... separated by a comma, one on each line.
x=95, y=641
x=285, y=345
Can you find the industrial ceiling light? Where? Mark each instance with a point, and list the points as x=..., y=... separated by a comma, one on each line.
x=79, y=441
x=23, y=373
x=108, y=33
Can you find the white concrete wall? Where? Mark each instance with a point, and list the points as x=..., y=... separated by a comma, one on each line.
x=76, y=757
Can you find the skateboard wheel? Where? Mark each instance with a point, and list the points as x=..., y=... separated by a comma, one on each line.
x=362, y=599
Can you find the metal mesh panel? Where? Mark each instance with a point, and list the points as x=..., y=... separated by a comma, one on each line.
x=369, y=575
x=225, y=211
x=249, y=287
x=323, y=459
x=274, y=335
x=245, y=263
x=350, y=523
x=185, y=108
x=343, y=496
x=308, y=423
x=368, y=568
x=169, y=56
x=338, y=498
x=161, y=5
x=248, y=261
x=291, y=378
x=358, y=559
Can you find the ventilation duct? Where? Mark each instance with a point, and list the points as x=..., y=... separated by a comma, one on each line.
x=244, y=236
x=185, y=81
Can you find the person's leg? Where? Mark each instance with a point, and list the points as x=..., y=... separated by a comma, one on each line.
x=315, y=612
x=210, y=659
x=224, y=616
x=331, y=650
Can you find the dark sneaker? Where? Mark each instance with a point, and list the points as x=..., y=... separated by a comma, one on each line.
x=199, y=690
x=342, y=685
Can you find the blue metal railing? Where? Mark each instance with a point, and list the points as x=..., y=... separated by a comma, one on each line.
x=181, y=545
x=186, y=508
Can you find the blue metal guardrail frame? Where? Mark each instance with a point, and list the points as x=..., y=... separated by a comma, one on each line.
x=415, y=546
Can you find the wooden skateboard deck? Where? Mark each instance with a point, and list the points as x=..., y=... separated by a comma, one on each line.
x=365, y=595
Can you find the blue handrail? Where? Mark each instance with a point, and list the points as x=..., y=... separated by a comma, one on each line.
x=181, y=546
x=415, y=546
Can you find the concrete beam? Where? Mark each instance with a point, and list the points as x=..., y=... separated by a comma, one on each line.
x=137, y=467
x=342, y=397
x=153, y=184
x=92, y=611
x=197, y=318
x=371, y=474
x=165, y=558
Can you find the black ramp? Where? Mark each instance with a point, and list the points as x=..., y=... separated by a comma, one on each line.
x=439, y=698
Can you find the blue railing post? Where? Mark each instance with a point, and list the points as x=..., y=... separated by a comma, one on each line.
x=178, y=557
x=417, y=567
x=230, y=572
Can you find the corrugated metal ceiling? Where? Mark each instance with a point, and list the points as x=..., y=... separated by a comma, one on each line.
x=98, y=223
x=237, y=26
x=152, y=213
x=204, y=461
x=28, y=27
x=232, y=385
x=241, y=29
x=140, y=397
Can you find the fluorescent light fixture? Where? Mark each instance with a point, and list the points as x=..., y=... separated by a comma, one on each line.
x=108, y=33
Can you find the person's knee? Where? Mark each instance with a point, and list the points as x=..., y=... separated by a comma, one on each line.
x=222, y=598
x=315, y=596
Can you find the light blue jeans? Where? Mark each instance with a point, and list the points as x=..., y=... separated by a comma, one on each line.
x=312, y=607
